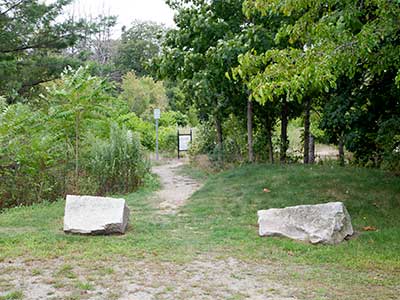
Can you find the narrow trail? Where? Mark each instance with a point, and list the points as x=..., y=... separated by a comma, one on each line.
x=176, y=188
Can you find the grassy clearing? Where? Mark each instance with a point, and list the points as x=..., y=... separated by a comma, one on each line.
x=221, y=218
x=229, y=202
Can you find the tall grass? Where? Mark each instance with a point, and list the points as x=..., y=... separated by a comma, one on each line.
x=117, y=164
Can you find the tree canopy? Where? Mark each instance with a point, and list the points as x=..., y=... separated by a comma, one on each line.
x=31, y=40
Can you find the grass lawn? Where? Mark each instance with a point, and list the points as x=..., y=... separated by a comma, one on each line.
x=221, y=219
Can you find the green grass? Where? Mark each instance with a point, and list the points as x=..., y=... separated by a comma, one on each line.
x=221, y=218
x=84, y=286
x=224, y=211
x=13, y=296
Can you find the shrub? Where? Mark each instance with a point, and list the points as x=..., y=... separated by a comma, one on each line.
x=29, y=157
x=388, y=139
x=117, y=164
x=168, y=139
x=64, y=145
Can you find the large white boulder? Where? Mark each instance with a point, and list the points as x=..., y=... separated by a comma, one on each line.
x=95, y=215
x=327, y=223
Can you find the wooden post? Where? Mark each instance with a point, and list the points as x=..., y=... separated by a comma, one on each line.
x=178, y=144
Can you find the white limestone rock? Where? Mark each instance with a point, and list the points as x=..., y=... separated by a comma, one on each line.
x=328, y=223
x=95, y=215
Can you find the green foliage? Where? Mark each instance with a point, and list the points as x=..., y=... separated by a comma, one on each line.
x=168, y=127
x=365, y=117
x=325, y=40
x=173, y=118
x=28, y=157
x=342, y=53
x=13, y=296
x=117, y=164
x=168, y=139
x=234, y=143
x=139, y=44
x=31, y=41
x=77, y=101
x=146, y=130
x=143, y=94
x=198, y=54
x=48, y=149
x=204, y=142
x=388, y=138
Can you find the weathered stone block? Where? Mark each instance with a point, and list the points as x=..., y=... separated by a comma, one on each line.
x=328, y=223
x=95, y=215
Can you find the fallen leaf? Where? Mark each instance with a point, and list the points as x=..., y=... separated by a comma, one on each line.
x=369, y=228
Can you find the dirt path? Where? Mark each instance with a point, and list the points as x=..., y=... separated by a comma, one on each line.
x=176, y=188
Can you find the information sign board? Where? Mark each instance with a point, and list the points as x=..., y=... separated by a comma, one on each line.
x=157, y=113
x=184, y=141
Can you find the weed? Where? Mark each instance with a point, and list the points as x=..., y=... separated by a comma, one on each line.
x=16, y=295
x=85, y=286
x=36, y=272
x=66, y=271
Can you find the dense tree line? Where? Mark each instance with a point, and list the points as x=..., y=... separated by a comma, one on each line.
x=269, y=62
x=75, y=100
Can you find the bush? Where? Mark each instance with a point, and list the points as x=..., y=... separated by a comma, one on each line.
x=117, y=164
x=64, y=145
x=147, y=132
x=388, y=140
x=30, y=156
x=168, y=139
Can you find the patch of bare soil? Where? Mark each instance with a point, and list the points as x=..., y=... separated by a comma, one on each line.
x=206, y=278
x=176, y=188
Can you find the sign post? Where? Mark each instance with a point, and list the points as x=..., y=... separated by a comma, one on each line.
x=157, y=114
x=183, y=142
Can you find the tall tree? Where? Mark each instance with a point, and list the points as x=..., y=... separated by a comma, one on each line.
x=139, y=44
x=199, y=53
x=143, y=94
x=77, y=100
x=323, y=41
x=31, y=40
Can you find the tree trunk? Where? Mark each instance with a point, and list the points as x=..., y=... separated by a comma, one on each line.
x=311, y=152
x=268, y=133
x=307, y=131
x=218, y=126
x=250, y=130
x=270, y=147
x=341, y=150
x=284, y=139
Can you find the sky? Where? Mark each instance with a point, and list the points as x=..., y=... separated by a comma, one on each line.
x=127, y=11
